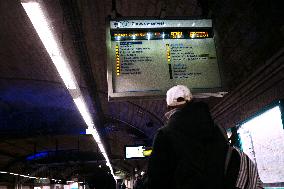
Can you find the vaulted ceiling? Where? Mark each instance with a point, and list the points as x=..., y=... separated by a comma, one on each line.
x=37, y=114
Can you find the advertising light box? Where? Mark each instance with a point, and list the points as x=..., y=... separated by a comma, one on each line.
x=262, y=139
x=147, y=57
x=132, y=152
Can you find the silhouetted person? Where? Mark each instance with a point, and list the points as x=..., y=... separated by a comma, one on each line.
x=189, y=151
x=138, y=183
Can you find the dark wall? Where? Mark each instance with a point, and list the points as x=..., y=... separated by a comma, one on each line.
x=250, y=42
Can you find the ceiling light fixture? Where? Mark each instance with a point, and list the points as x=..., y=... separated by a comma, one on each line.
x=57, y=55
x=81, y=105
x=45, y=31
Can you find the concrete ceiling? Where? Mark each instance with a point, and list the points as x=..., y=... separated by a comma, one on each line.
x=36, y=111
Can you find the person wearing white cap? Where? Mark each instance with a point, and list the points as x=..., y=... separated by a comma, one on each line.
x=177, y=97
x=189, y=151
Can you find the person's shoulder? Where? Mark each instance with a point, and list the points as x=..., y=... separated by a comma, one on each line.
x=164, y=131
x=198, y=103
x=160, y=132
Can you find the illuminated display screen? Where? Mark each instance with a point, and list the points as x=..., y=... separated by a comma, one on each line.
x=147, y=57
x=137, y=152
x=160, y=35
x=262, y=140
x=74, y=185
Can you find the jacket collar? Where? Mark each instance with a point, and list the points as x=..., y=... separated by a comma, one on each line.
x=170, y=113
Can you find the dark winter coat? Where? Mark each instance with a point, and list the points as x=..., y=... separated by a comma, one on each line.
x=189, y=152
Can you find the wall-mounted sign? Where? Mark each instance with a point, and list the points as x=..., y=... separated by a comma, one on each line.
x=147, y=57
x=139, y=151
x=42, y=181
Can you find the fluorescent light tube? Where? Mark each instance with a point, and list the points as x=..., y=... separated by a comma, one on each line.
x=44, y=30
x=81, y=105
x=58, y=57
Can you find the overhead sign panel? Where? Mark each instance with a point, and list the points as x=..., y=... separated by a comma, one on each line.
x=132, y=152
x=147, y=57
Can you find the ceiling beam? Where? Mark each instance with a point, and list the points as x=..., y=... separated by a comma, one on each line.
x=74, y=21
x=129, y=125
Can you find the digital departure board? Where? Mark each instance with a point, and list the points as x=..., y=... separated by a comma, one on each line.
x=147, y=57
